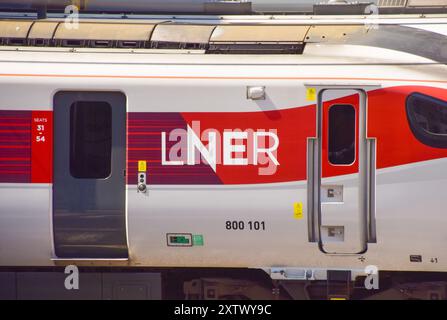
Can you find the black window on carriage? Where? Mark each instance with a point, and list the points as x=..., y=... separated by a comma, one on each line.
x=342, y=126
x=90, y=139
x=427, y=117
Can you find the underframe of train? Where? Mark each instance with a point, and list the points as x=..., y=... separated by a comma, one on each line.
x=112, y=283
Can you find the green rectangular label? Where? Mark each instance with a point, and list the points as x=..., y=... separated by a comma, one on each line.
x=197, y=240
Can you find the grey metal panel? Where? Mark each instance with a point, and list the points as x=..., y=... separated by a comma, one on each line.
x=210, y=7
x=42, y=30
x=14, y=29
x=92, y=286
x=132, y=286
x=89, y=214
x=340, y=8
x=106, y=31
x=334, y=33
x=259, y=33
x=392, y=3
x=419, y=42
x=313, y=186
x=371, y=199
x=182, y=33
x=427, y=3
x=8, y=286
x=410, y=40
x=51, y=286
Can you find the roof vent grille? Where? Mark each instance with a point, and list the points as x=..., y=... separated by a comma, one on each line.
x=256, y=48
x=392, y=3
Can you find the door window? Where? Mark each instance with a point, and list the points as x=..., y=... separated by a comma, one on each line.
x=90, y=139
x=341, y=143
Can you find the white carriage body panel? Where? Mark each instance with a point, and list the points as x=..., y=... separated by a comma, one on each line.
x=410, y=199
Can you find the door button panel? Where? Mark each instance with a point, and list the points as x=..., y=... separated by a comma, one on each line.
x=142, y=182
x=332, y=194
x=333, y=233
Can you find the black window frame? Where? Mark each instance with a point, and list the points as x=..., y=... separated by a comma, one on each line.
x=422, y=135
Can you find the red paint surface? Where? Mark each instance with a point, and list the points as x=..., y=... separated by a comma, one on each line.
x=387, y=122
x=42, y=151
x=328, y=169
x=293, y=127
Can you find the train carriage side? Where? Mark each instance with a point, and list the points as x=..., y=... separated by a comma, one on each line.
x=295, y=165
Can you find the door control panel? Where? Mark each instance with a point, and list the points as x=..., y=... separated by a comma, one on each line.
x=332, y=194
x=333, y=233
x=142, y=182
